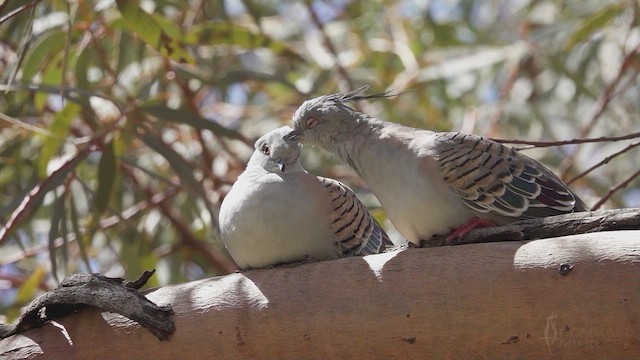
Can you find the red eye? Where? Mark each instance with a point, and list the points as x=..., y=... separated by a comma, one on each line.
x=312, y=122
x=265, y=149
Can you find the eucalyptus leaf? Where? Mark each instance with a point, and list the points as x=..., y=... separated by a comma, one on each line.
x=597, y=21
x=107, y=171
x=60, y=128
x=151, y=31
x=187, y=117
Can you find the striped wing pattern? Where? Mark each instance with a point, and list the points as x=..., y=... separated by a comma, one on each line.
x=357, y=232
x=492, y=178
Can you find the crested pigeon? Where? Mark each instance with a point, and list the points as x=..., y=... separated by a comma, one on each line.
x=277, y=213
x=431, y=183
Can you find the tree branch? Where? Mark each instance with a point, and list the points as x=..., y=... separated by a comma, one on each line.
x=613, y=189
x=345, y=82
x=552, y=226
x=537, y=144
x=77, y=291
x=604, y=161
x=574, y=297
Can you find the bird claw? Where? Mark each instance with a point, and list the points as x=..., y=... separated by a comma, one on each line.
x=466, y=228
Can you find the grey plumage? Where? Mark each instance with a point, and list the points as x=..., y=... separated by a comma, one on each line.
x=428, y=182
x=276, y=212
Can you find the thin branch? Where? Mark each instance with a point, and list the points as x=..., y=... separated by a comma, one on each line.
x=67, y=46
x=16, y=281
x=137, y=208
x=610, y=91
x=614, y=189
x=187, y=238
x=538, y=144
x=96, y=35
x=605, y=161
x=207, y=157
x=30, y=203
x=129, y=213
x=25, y=43
x=3, y=5
x=24, y=125
x=17, y=10
x=78, y=95
x=605, y=97
x=35, y=250
x=513, y=70
x=194, y=10
x=254, y=13
x=345, y=81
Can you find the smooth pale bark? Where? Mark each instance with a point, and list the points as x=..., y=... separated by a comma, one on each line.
x=504, y=300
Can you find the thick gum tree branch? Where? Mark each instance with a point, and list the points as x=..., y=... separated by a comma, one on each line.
x=573, y=297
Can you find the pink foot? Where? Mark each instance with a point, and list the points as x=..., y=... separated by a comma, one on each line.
x=467, y=227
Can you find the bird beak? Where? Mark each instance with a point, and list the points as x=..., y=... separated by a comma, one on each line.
x=281, y=165
x=292, y=136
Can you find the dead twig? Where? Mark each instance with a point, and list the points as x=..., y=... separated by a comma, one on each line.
x=605, y=161
x=537, y=144
x=614, y=189
x=552, y=226
x=616, y=86
x=187, y=238
x=345, y=81
x=79, y=290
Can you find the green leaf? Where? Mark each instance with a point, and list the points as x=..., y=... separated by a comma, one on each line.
x=130, y=50
x=32, y=201
x=82, y=66
x=593, y=23
x=25, y=43
x=77, y=95
x=187, y=117
x=76, y=230
x=10, y=6
x=41, y=53
x=178, y=164
x=152, y=32
x=106, y=178
x=59, y=127
x=27, y=291
x=218, y=33
x=51, y=74
x=169, y=27
x=445, y=35
x=138, y=257
x=64, y=233
x=54, y=233
x=231, y=77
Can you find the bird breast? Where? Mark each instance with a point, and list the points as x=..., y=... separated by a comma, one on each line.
x=275, y=218
x=403, y=175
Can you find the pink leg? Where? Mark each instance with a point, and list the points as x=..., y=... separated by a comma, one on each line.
x=467, y=227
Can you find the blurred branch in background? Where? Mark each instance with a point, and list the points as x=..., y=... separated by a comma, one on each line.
x=123, y=124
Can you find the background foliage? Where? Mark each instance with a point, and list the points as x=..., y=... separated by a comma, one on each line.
x=123, y=123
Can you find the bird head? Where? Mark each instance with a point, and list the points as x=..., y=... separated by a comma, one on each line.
x=323, y=120
x=274, y=153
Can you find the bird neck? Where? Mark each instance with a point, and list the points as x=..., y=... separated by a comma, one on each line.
x=295, y=167
x=350, y=143
x=256, y=161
